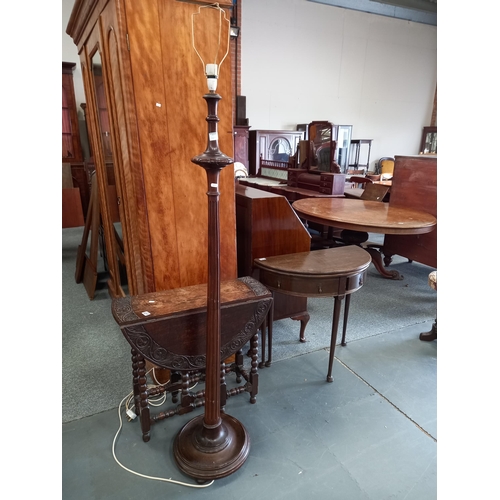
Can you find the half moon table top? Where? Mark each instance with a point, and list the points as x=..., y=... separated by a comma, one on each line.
x=361, y=215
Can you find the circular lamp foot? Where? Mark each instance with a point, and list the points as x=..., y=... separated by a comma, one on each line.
x=213, y=453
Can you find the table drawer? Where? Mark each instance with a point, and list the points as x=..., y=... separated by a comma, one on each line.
x=308, y=286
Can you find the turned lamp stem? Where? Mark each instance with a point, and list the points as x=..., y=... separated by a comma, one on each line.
x=213, y=160
x=215, y=444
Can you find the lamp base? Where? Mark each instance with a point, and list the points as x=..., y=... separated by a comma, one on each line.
x=211, y=459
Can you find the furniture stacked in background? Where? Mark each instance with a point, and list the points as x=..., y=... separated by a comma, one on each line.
x=75, y=183
x=280, y=177
x=414, y=185
x=278, y=145
x=312, y=179
x=315, y=165
x=309, y=171
x=341, y=134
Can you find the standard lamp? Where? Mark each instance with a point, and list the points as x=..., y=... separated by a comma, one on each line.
x=215, y=444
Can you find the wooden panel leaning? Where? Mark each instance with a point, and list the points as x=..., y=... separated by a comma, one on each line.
x=414, y=185
x=168, y=329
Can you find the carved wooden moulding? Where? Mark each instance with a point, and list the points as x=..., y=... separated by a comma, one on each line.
x=169, y=328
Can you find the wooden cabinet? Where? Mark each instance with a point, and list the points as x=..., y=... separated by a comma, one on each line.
x=272, y=145
x=144, y=88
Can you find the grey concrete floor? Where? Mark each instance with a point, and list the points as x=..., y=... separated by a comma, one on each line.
x=371, y=434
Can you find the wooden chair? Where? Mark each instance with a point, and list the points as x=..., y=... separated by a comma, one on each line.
x=385, y=167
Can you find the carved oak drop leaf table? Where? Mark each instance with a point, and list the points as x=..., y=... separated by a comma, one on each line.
x=168, y=328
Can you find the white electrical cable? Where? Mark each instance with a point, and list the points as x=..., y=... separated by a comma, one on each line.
x=153, y=375
x=169, y=480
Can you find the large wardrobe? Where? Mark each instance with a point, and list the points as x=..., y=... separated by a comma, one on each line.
x=146, y=117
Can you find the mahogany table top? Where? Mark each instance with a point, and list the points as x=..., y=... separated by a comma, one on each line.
x=361, y=215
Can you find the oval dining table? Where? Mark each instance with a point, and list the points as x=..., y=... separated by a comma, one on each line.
x=367, y=216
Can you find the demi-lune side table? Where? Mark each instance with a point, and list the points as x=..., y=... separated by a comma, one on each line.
x=333, y=272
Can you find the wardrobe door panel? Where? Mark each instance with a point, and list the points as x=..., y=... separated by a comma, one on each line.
x=151, y=111
x=169, y=86
x=127, y=166
x=189, y=180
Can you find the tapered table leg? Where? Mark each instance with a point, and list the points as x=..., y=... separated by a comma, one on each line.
x=335, y=328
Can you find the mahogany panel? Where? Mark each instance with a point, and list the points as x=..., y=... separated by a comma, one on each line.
x=72, y=214
x=188, y=127
x=266, y=225
x=414, y=185
x=171, y=116
x=144, y=36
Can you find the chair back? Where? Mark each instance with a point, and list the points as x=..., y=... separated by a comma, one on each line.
x=386, y=165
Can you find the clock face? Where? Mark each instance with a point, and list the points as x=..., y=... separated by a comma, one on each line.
x=280, y=149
